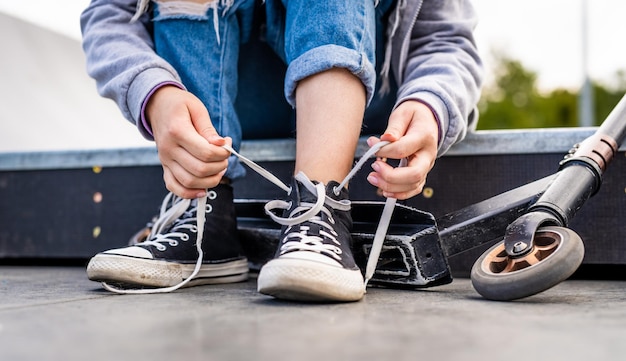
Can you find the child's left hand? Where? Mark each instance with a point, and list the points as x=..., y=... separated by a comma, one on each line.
x=413, y=132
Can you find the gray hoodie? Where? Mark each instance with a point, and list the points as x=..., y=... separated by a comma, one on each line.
x=430, y=52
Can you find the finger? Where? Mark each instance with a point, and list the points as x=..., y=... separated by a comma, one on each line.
x=184, y=136
x=406, y=180
x=411, y=128
x=417, y=189
x=400, y=192
x=200, y=132
x=390, y=179
x=201, y=166
x=195, y=146
x=198, y=175
x=172, y=185
x=371, y=141
x=399, y=122
x=402, y=148
x=202, y=123
x=416, y=170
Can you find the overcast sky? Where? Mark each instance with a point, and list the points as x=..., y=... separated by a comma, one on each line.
x=546, y=35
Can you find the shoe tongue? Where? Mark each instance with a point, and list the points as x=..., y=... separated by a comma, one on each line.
x=304, y=195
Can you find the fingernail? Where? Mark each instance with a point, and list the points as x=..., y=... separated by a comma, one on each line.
x=375, y=167
x=389, y=137
x=373, y=180
x=201, y=194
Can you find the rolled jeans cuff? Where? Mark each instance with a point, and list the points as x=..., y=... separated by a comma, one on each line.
x=325, y=58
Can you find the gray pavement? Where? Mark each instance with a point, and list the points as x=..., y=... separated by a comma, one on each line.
x=55, y=313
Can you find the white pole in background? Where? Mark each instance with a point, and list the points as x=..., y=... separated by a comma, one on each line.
x=585, y=101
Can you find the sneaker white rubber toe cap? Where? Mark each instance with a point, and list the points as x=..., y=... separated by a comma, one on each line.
x=309, y=276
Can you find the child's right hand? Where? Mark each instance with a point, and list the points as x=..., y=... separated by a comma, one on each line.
x=189, y=148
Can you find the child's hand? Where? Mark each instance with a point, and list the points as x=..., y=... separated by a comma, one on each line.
x=413, y=132
x=189, y=148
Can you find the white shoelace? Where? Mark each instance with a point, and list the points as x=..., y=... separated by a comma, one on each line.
x=309, y=212
x=169, y=215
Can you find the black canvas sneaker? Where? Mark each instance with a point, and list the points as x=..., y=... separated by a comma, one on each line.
x=314, y=259
x=168, y=255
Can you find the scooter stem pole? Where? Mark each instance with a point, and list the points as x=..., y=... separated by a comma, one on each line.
x=578, y=179
x=614, y=125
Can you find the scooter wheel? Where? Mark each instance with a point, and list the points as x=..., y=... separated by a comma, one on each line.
x=556, y=254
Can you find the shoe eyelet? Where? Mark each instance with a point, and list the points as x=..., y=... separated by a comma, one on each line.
x=208, y=208
x=173, y=243
x=161, y=247
x=183, y=237
x=211, y=195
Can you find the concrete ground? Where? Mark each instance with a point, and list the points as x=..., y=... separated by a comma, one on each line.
x=55, y=313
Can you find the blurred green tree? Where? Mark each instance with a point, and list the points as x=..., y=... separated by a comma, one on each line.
x=514, y=101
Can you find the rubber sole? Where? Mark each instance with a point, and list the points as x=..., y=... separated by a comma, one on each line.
x=139, y=272
x=303, y=280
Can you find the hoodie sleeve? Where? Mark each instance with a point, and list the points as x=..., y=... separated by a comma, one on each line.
x=442, y=67
x=121, y=58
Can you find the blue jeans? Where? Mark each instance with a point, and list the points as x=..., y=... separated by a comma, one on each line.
x=238, y=64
